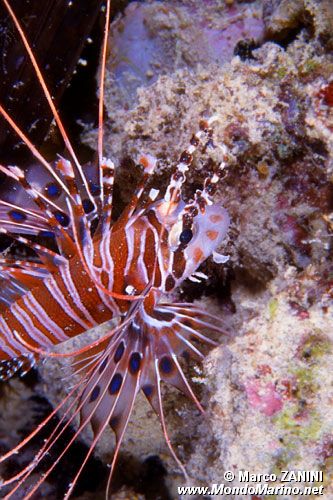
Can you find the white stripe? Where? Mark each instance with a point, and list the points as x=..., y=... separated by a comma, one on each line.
x=108, y=266
x=56, y=293
x=28, y=325
x=141, y=263
x=129, y=233
x=88, y=253
x=104, y=249
x=74, y=294
x=42, y=316
x=160, y=260
x=9, y=337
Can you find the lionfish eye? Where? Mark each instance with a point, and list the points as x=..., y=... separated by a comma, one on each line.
x=186, y=236
x=179, y=236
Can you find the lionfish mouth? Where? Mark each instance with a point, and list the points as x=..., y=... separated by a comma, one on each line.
x=139, y=355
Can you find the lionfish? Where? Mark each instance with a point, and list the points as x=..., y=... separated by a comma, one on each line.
x=100, y=271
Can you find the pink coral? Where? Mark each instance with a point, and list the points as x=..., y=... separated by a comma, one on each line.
x=264, y=398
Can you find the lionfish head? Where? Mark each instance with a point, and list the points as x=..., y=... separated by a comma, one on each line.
x=194, y=231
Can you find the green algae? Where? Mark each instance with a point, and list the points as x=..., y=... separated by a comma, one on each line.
x=315, y=346
x=304, y=430
x=282, y=72
x=306, y=386
x=273, y=305
x=309, y=66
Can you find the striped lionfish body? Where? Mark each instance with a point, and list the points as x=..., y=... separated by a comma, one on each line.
x=103, y=270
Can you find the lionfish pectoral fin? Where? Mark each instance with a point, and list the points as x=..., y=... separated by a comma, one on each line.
x=112, y=387
x=121, y=371
x=18, y=219
x=166, y=367
x=171, y=344
x=110, y=392
x=151, y=386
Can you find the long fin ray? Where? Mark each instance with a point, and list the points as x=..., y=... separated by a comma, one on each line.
x=50, y=103
x=54, y=222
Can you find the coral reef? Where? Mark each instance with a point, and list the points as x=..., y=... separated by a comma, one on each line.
x=269, y=409
x=155, y=39
x=283, y=18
